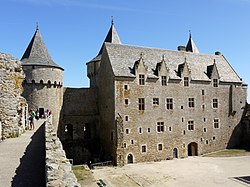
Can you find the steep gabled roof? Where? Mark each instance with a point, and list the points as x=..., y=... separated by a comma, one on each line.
x=191, y=47
x=123, y=57
x=37, y=53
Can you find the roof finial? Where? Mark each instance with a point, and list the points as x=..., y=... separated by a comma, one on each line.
x=190, y=34
x=112, y=20
x=37, y=28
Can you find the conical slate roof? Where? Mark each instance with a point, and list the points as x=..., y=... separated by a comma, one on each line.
x=191, y=47
x=37, y=53
x=112, y=37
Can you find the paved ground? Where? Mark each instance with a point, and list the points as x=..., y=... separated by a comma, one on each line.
x=22, y=159
x=188, y=172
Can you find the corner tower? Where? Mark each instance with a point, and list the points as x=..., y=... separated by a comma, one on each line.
x=43, y=85
x=94, y=64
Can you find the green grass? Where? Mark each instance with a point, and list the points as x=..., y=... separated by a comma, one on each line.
x=229, y=153
x=80, y=173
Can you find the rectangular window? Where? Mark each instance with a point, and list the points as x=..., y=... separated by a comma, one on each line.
x=215, y=103
x=144, y=149
x=155, y=101
x=215, y=82
x=191, y=102
x=191, y=125
x=126, y=101
x=216, y=123
x=132, y=141
x=126, y=118
x=186, y=81
x=141, y=104
x=141, y=79
x=160, y=126
x=140, y=130
x=160, y=147
x=202, y=92
x=125, y=87
x=169, y=103
x=163, y=80
x=204, y=129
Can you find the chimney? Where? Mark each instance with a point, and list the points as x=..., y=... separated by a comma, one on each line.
x=217, y=53
x=181, y=48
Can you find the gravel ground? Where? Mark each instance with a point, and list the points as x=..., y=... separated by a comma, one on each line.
x=188, y=172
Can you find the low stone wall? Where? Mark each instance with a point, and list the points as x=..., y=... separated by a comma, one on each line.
x=58, y=168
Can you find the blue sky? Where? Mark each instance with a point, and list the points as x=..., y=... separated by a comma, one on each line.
x=73, y=30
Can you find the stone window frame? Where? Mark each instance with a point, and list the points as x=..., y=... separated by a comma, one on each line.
x=215, y=103
x=140, y=130
x=216, y=123
x=191, y=103
x=127, y=130
x=160, y=127
x=124, y=145
x=215, y=83
x=202, y=92
x=190, y=125
x=126, y=87
x=186, y=81
x=205, y=129
x=156, y=101
x=164, y=80
x=126, y=101
x=169, y=103
x=141, y=79
x=144, y=148
x=126, y=118
x=160, y=146
x=148, y=130
x=141, y=104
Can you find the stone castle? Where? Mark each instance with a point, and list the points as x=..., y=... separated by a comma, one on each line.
x=143, y=104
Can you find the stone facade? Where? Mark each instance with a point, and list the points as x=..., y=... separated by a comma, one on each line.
x=79, y=123
x=143, y=104
x=13, y=107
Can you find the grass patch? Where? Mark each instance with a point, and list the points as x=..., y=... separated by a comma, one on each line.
x=80, y=172
x=229, y=153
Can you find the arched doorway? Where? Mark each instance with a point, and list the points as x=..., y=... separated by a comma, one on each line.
x=130, y=159
x=175, y=153
x=193, y=149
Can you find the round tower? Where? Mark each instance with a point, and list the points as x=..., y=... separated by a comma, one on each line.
x=43, y=84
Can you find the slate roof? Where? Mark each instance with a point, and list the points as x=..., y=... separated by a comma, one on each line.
x=37, y=53
x=191, y=47
x=123, y=57
x=112, y=37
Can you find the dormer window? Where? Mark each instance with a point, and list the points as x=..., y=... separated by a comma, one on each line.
x=163, y=80
x=186, y=81
x=215, y=82
x=141, y=79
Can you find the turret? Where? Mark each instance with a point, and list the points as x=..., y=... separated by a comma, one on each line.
x=44, y=79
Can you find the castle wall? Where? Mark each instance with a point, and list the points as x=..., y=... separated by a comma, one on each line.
x=106, y=104
x=13, y=107
x=79, y=124
x=140, y=127
x=43, y=89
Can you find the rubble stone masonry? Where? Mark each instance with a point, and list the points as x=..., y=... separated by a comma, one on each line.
x=13, y=107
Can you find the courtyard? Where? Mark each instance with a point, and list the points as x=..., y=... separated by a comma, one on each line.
x=189, y=172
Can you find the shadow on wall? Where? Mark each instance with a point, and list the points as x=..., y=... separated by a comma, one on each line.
x=240, y=137
x=31, y=171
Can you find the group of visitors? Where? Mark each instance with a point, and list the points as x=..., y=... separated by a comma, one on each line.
x=36, y=116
